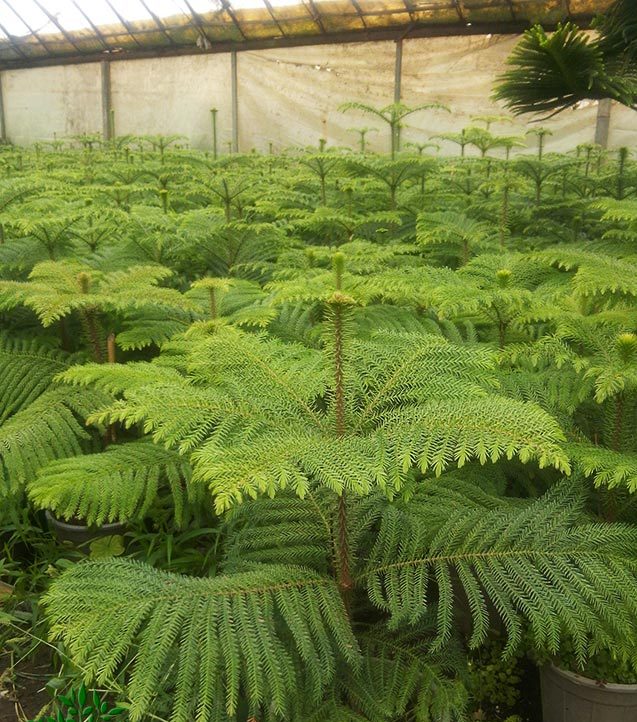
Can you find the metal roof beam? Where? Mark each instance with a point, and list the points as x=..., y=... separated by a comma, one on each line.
x=315, y=15
x=93, y=27
x=228, y=8
x=359, y=12
x=409, y=9
x=28, y=27
x=55, y=21
x=14, y=46
x=196, y=18
x=160, y=26
x=268, y=5
x=460, y=10
x=125, y=24
x=393, y=34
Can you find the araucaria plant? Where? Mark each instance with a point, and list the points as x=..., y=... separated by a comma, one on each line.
x=367, y=420
x=355, y=530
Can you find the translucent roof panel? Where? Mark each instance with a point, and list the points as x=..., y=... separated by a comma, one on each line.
x=39, y=32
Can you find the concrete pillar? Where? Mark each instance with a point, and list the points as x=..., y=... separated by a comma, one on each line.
x=235, y=102
x=107, y=124
x=3, y=127
x=398, y=75
x=602, y=128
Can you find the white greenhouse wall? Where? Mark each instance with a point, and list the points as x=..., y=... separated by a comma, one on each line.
x=288, y=97
x=460, y=72
x=173, y=96
x=42, y=103
x=291, y=96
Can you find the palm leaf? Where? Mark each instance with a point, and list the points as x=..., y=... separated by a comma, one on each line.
x=552, y=72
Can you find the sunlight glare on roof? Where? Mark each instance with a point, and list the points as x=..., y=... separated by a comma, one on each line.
x=19, y=18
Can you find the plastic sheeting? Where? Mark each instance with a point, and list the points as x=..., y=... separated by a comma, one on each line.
x=292, y=96
x=289, y=96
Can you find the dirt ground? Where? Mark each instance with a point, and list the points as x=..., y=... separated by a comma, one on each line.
x=22, y=695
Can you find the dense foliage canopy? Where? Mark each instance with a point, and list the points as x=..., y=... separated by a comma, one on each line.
x=386, y=406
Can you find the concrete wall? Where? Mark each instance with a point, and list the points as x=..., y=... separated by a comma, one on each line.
x=173, y=96
x=288, y=96
x=43, y=103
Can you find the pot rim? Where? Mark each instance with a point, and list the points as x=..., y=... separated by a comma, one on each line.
x=593, y=684
x=67, y=526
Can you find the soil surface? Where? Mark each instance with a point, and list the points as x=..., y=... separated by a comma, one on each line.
x=22, y=693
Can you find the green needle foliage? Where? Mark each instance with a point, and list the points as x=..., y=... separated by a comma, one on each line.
x=55, y=289
x=51, y=427
x=118, y=484
x=329, y=466
x=401, y=394
x=393, y=115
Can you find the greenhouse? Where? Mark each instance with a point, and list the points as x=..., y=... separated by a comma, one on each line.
x=318, y=360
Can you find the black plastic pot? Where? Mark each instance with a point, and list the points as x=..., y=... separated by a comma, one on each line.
x=81, y=535
x=569, y=697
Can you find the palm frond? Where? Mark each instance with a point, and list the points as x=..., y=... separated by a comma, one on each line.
x=552, y=72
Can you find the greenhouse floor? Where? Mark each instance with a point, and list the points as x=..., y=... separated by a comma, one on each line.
x=21, y=688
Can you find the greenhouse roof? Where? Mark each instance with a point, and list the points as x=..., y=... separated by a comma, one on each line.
x=46, y=32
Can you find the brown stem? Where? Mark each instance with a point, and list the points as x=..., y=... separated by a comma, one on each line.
x=345, y=575
x=338, y=371
x=64, y=335
x=163, y=193
x=392, y=197
x=110, y=349
x=93, y=335
x=504, y=218
x=501, y=334
x=111, y=433
x=213, y=304
x=465, y=252
x=344, y=572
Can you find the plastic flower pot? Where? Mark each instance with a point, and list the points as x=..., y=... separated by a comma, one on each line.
x=79, y=534
x=569, y=697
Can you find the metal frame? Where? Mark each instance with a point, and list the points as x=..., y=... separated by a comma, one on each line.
x=29, y=55
x=270, y=10
x=359, y=12
x=197, y=21
x=602, y=124
x=234, y=89
x=3, y=124
x=12, y=43
x=28, y=27
x=125, y=24
x=228, y=8
x=315, y=15
x=160, y=26
x=54, y=20
x=107, y=99
x=94, y=28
